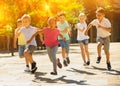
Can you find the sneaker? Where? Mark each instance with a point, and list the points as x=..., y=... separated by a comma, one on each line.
x=58, y=63
x=65, y=63
x=27, y=69
x=34, y=70
x=88, y=62
x=68, y=60
x=53, y=73
x=84, y=64
x=33, y=65
x=108, y=66
x=98, y=59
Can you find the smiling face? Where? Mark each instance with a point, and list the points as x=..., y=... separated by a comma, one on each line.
x=19, y=23
x=26, y=22
x=82, y=18
x=62, y=18
x=52, y=22
x=99, y=15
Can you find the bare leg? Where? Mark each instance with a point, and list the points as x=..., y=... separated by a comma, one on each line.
x=99, y=49
x=28, y=57
x=87, y=52
x=107, y=56
x=82, y=52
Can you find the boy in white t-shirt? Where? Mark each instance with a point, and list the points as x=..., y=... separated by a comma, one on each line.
x=103, y=26
x=82, y=38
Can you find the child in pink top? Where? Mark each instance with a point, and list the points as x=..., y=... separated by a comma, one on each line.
x=50, y=37
x=51, y=34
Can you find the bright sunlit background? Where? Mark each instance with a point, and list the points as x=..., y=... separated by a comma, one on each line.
x=11, y=10
x=40, y=10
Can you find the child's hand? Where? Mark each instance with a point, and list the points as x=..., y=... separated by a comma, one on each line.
x=86, y=33
x=99, y=26
x=63, y=38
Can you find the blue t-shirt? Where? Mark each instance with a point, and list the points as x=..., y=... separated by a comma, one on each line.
x=28, y=32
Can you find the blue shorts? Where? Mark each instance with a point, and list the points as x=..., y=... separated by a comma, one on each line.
x=65, y=44
x=21, y=49
x=85, y=41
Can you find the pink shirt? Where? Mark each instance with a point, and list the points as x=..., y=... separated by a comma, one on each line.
x=51, y=37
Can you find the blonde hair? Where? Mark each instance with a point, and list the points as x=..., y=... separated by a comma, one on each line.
x=82, y=14
x=26, y=16
x=19, y=20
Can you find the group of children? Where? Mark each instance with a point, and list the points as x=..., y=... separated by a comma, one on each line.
x=58, y=32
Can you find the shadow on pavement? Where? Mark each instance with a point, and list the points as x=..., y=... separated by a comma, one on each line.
x=37, y=74
x=97, y=68
x=113, y=72
x=81, y=71
x=38, y=77
x=69, y=81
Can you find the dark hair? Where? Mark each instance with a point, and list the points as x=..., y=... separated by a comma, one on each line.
x=61, y=14
x=100, y=10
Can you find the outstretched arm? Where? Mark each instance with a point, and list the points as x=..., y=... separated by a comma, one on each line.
x=88, y=28
x=28, y=41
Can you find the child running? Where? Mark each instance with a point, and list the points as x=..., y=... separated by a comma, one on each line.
x=51, y=34
x=28, y=31
x=83, y=39
x=21, y=43
x=103, y=26
x=63, y=26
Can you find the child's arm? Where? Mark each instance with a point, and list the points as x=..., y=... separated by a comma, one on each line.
x=80, y=29
x=63, y=38
x=104, y=28
x=88, y=28
x=41, y=38
x=65, y=30
x=28, y=41
x=17, y=33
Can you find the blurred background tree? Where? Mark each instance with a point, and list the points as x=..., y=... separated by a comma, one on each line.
x=40, y=10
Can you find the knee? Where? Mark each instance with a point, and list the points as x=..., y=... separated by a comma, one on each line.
x=26, y=53
x=99, y=45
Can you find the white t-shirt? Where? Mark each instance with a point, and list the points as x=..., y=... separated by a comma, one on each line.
x=28, y=33
x=100, y=32
x=80, y=34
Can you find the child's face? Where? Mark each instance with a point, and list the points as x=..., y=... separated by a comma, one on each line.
x=19, y=24
x=62, y=18
x=82, y=18
x=26, y=22
x=52, y=22
x=99, y=15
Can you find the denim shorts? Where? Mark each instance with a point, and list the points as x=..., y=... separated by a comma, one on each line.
x=21, y=49
x=85, y=41
x=105, y=42
x=65, y=44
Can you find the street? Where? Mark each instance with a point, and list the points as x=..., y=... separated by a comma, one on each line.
x=75, y=74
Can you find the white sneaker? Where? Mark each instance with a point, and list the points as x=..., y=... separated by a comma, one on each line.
x=27, y=69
